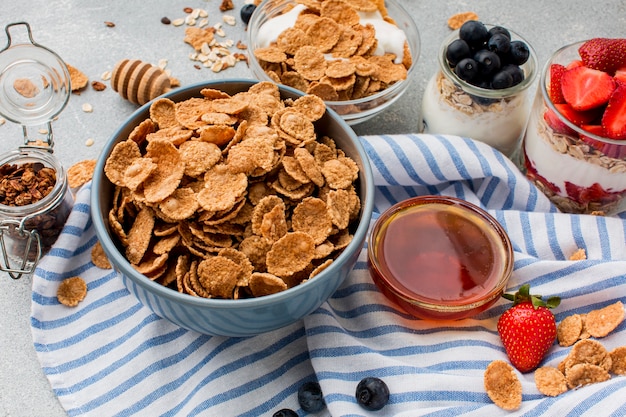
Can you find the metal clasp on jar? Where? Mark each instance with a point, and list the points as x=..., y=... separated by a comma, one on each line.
x=10, y=232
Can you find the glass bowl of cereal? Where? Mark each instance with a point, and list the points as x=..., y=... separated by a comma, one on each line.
x=359, y=56
x=233, y=207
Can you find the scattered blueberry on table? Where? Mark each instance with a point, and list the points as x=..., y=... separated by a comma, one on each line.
x=310, y=397
x=372, y=393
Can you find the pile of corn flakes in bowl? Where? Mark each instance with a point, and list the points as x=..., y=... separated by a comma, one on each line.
x=359, y=56
x=233, y=207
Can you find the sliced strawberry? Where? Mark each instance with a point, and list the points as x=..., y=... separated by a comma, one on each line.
x=554, y=89
x=579, y=118
x=620, y=75
x=604, y=54
x=557, y=125
x=585, y=88
x=574, y=64
x=609, y=149
x=614, y=118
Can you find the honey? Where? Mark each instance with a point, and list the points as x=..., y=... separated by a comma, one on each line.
x=439, y=257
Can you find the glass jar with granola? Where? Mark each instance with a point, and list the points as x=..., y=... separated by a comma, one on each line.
x=35, y=202
x=575, y=147
x=481, y=90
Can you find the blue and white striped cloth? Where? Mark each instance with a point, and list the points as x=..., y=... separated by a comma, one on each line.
x=110, y=356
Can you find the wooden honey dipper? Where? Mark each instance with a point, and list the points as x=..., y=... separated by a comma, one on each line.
x=139, y=82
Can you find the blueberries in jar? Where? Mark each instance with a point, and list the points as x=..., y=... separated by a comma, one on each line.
x=467, y=69
x=456, y=51
x=475, y=33
x=488, y=62
x=519, y=53
x=246, y=12
x=500, y=30
x=372, y=393
x=494, y=60
x=516, y=72
x=502, y=79
x=310, y=397
x=499, y=43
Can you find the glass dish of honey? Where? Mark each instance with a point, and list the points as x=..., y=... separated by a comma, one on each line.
x=439, y=257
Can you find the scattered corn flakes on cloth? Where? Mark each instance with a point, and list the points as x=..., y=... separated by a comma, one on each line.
x=110, y=356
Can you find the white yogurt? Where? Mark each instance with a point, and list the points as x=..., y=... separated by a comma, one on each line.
x=502, y=130
x=559, y=168
x=391, y=39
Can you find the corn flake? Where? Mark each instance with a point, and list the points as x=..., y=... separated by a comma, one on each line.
x=502, y=385
x=72, y=291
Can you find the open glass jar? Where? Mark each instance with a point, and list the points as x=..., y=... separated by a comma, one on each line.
x=35, y=199
x=579, y=171
x=496, y=117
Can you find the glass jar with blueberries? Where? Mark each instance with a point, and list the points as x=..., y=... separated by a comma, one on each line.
x=481, y=90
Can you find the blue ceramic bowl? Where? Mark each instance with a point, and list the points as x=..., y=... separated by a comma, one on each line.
x=245, y=317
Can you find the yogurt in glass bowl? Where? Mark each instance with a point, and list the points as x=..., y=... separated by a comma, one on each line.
x=359, y=57
x=483, y=108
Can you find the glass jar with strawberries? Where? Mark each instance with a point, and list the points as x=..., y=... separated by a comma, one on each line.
x=575, y=141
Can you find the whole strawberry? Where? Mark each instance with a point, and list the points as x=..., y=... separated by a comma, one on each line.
x=528, y=328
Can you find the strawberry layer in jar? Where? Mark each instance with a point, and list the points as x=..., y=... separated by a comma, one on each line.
x=575, y=142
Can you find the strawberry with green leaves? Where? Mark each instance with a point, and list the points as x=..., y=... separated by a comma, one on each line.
x=528, y=328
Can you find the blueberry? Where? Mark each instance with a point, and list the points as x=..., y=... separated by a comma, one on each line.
x=519, y=53
x=246, y=12
x=467, y=69
x=499, y=43
x=474, y=33
x=372, y=393
x=285, y=412
x=456, y=51
x=310, y=397
x=516, y=72
x=488, y=62
x=501, y=80
x=500, y=30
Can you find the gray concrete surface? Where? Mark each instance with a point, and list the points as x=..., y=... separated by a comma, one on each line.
x=76, y=30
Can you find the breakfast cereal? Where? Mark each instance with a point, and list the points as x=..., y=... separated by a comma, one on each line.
x=502, y=385
x=98, y=257
x=72, y=291
x=226, y=196
x=80, y=173
x=550, y=381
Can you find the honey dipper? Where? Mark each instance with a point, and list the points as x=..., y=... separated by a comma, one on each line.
x=139, y=82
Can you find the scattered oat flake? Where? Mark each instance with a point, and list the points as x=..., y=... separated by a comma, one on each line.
x=502, y=385
x=87, y=108
x=72, y=291
x=457, y=20
x=106, y=75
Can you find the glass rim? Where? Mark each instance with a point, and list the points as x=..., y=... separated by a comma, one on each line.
x=528, y=80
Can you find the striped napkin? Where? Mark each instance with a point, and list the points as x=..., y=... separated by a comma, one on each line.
x=110, y=356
